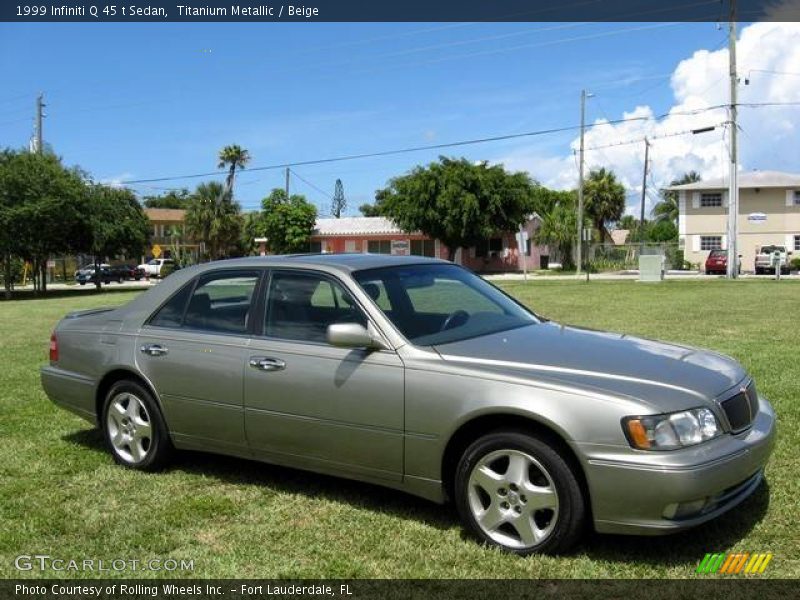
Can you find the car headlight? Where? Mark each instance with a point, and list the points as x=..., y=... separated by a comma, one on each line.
x=671, y=431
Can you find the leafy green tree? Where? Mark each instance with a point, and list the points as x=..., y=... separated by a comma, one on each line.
x=661, y=231
x=252, y=227
x=287, y=222
x=457, y=201
x=214, y=218
x=118, y=225
x=233, y=157
x=604, y=200
x=172, y=199
x=667, y=209
x=558, y=230
x=42, y=211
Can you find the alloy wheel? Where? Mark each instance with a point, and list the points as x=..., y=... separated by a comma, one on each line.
x=513, y=499
x=129, y=427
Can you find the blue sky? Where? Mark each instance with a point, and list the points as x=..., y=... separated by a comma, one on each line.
x=132, y=101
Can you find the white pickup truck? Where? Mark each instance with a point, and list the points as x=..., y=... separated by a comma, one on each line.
x=765, y=259
x=153, y=268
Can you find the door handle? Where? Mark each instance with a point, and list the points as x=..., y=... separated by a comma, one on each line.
x=154, y=350
x=266, y=363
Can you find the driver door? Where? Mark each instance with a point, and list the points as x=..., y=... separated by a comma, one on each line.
x=317, y=406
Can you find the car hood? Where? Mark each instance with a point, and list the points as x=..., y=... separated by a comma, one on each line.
x=665, y=376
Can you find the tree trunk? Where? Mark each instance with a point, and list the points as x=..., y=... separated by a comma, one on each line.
x=451, y=252
x=7, y=271
x=43, y=268
x=98, y=279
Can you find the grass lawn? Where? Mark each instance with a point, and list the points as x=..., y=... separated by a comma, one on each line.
x=62, y=495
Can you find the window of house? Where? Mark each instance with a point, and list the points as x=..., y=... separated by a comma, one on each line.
x=797, y=242
x=301, y=306
x=711, y=242
x=797, y=197
x=423, y=248
x=484, y=247
x=710, y=199
x=379, y=246
x=315, y=247
x=528, y=246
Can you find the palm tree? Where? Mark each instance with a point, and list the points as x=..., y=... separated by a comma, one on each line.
x=605, y=200
x=668, y=209
x=234, y=157
x=558, y=230
x=214, y=219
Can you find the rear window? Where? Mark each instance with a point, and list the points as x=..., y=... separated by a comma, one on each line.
x=718, y=253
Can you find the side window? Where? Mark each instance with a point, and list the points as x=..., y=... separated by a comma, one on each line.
x=221, y=302
x=171, y=314
x=301, y=306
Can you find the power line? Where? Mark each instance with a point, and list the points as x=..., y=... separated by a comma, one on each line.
x=497, y=138
x=651, y=138
x=442, y=146
x=311, y=185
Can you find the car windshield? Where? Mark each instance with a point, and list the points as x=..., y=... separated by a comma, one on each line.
x=771, y=249
x=439, y=303
x=718, y=253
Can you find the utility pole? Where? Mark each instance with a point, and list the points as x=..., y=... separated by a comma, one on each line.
x=644, y=190
x=37, y=134
x=580, y=186
x=287, y=183
x=733, y=189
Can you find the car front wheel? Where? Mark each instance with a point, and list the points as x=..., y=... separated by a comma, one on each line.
x=133, y=427
x=515, y=491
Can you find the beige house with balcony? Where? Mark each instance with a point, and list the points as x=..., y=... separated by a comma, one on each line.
x=168, y=232
x=769, y=213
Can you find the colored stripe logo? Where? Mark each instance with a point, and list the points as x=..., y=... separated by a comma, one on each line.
x=734, y=564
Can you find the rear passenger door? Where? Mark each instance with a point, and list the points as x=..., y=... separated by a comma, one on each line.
x=193, y=350
x=314, y=405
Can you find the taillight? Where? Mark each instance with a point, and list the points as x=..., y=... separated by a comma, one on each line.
x=53, y=347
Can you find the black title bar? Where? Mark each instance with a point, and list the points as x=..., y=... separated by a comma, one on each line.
x=399, y=10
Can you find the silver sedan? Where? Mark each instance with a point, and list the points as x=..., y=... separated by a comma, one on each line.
x=418, y=375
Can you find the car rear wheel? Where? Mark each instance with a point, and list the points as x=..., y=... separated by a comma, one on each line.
x=133, y=427
x=515, y=491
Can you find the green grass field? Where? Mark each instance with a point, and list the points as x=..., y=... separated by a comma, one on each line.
x=62, y=495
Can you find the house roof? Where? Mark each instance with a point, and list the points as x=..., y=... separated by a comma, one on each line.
x=165, y=214
x=365, y=226
x=747, y=179
x=356, y=226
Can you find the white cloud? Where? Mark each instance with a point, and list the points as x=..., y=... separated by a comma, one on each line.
x=769, y=68
x=116, y=180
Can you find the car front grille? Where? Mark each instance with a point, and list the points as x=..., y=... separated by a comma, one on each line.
x=741, y=408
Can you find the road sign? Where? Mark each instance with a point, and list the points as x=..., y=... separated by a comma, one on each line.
x=156, y=251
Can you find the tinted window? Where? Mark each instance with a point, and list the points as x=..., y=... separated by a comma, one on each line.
x=437, y=304
x=301, y=306
x=171, y=314
x=221, y=302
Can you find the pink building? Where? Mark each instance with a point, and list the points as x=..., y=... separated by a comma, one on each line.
x=380, y=235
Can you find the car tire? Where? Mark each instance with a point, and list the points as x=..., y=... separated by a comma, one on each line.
x=82, y=282
x=133, y=428
x=535, y=505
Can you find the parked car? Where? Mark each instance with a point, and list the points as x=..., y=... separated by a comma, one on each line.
x=418, y=375
x=717, y=263
x=107, y=275
x=129, y=272
x=89, y=267
x=154, y=267
x=764, y=259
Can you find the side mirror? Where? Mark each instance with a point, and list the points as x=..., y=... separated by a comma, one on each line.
x=353, y=335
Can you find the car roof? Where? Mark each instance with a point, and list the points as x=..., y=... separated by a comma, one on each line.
x=348, y=262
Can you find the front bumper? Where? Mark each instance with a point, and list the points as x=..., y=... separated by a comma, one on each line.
x=640, y=492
